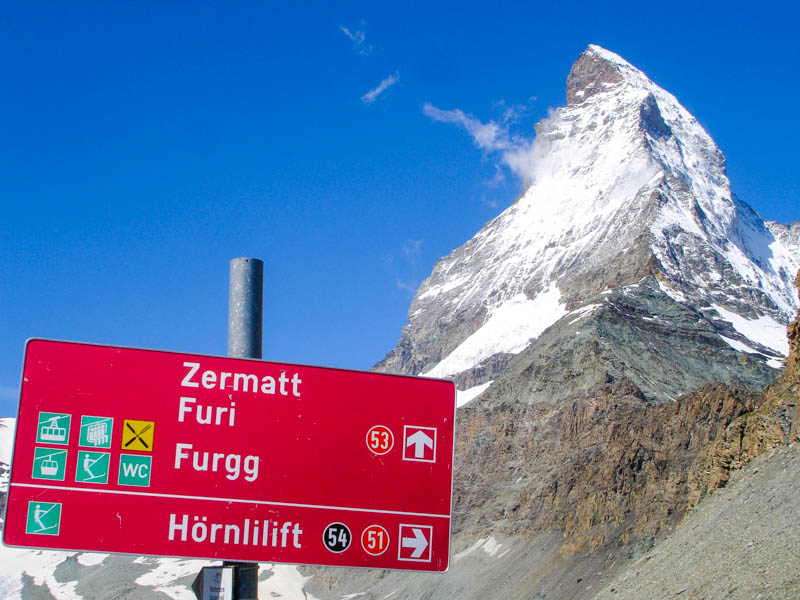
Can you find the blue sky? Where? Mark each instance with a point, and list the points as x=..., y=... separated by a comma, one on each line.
x=144, y=146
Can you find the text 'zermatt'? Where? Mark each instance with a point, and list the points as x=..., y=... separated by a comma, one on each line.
x=241, y=382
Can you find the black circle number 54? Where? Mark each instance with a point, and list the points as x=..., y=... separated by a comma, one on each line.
x=337, y=537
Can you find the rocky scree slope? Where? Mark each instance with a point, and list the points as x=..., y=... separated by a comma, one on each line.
x=626, y=188
x=739, y=542
x=735, y=545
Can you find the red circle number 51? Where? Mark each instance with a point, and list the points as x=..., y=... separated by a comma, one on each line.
x=374, y=540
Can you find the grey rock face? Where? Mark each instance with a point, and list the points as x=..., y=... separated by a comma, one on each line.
x=734, y=545
x=635, y=334
x=589, y=76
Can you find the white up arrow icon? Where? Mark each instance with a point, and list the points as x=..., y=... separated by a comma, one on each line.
x=419, y=440
x=419, y=542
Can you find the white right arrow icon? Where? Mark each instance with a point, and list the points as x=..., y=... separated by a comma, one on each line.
x=419, y=542
x=419, y=440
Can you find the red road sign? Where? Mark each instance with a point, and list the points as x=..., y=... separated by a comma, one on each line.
x=168, y=454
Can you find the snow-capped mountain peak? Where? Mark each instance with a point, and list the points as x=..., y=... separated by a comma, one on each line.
x=6, y=443
x=624, y=184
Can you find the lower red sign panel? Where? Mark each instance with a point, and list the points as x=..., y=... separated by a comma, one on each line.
x=214, y=529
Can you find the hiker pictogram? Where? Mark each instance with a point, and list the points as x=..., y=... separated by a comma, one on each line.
x=53, y=428
x=138, y=435
x=43, y=518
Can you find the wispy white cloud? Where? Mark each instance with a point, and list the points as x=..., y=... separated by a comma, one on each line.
x=487, y=136
x=407, y=287
x=515, y=152
x=359, y=39
x=384, y=85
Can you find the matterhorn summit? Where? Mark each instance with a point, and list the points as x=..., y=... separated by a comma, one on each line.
x=628, y=235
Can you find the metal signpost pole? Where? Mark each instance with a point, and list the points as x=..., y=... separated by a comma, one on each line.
x=245, y=304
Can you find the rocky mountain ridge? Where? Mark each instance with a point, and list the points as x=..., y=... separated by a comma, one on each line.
x=626, y=188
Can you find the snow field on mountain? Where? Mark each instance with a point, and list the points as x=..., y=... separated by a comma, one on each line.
x=509, y=328
x=277, y=581
x=39, y=565
x=741, y=347
x=6, y=439
x=462, y=397
x=7, y=427
x=489, y=545
x=764, y=330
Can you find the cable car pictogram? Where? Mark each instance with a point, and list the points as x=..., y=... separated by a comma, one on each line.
x=49, y=466
x=51, y=432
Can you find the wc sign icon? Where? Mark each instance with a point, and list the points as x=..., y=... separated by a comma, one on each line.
x=134, y=469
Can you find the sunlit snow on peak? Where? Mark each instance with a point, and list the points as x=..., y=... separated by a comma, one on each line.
x=509, y=329
x=621, y=184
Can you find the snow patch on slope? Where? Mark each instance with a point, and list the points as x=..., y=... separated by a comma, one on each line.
x=40, y=566
x=166, y=572
x=90, y=559
x=285, y=582
x=462, y=397
x=584, y=312
x=489, y=545
x=7, y=428
x=168, y=575
x=764, y=330
x=509, y=329
x=742, y=347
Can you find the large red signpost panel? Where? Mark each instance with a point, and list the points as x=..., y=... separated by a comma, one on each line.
x=161, y=453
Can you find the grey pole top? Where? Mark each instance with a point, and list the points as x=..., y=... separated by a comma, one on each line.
x=245, y=302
